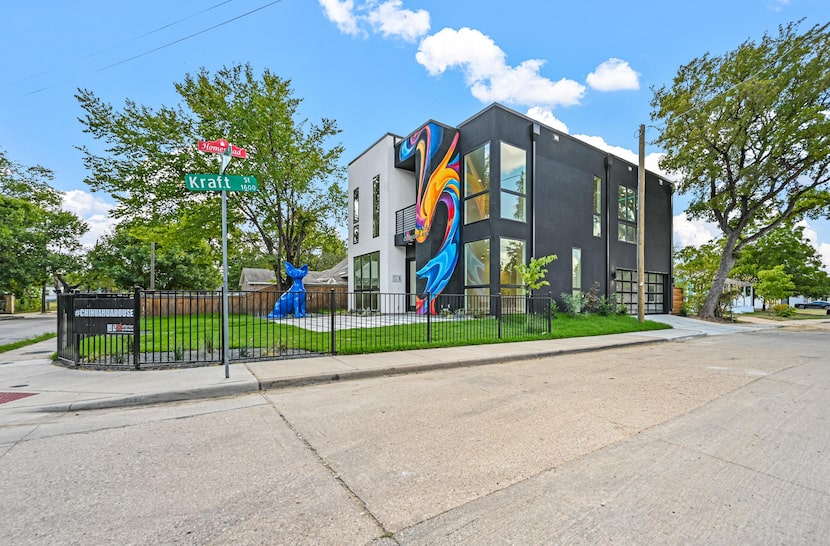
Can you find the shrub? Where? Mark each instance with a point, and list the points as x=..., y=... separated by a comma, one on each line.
x=783, y=310
x=574, y=303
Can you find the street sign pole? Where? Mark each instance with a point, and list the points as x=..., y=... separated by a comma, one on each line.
x=211, y=182
x=226, y=159
x=225, y=337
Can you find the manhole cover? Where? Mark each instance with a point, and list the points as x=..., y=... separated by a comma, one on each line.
x=12, y=396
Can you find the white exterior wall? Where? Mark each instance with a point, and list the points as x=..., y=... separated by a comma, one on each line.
x=397, y=191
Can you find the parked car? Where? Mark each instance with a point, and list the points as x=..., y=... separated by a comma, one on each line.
x=814, y=305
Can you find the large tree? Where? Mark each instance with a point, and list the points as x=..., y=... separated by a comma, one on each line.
x=748, y=132
x=785, y=246
x=39, y=240
x=147, y=153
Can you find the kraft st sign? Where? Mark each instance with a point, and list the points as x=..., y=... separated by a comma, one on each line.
x=220, y=182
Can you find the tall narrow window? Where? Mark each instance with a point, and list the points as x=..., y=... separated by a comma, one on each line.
x=366, y=280
x=597, y=220
x=376, y=206
x=356, y=216
x=511, y=255
x=513, y=182
x=576, y=277
x=477, y=185
x=627, y=215
x=477, y=275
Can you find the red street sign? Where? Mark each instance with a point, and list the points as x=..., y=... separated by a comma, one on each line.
x=219, y=146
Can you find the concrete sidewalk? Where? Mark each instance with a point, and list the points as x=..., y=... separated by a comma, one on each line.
x=57, y=389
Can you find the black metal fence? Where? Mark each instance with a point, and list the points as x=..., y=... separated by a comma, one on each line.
x=163, y=329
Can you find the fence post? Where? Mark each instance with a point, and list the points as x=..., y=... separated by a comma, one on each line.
x=550, y=312
x=498, y=312
x=331, y=310
x=137, y=328
x=429, y=320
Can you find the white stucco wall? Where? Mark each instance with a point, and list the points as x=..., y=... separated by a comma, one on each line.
x=397, y=191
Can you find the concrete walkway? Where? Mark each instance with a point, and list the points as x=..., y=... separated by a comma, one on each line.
x=29, y=370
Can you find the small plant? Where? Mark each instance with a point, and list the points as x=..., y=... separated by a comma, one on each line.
x=684, y=310
x=783, y=310
x=445, y=311
x=243, y=352
x=573, y=303
x=178, y=353
x=209, y=345
x=119, y=358
x=605, y=307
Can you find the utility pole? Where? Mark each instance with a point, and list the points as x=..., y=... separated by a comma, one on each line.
x=641, y=231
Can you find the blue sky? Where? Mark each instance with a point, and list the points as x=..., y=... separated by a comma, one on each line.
x=375, y=66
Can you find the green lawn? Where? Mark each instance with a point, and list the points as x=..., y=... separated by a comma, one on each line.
x=26, y=342
x=182, y=336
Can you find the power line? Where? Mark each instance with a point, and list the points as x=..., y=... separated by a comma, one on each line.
x=188, y=36
x=93, y=54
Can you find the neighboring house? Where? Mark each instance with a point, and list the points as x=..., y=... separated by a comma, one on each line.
x=253, y=278
x=744, y=299
x=451, y=210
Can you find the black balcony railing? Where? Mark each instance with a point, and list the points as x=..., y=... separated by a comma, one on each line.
x=405, y=226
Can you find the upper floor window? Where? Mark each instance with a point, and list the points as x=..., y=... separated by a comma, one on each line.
x=513, y=182
x=376, y=206
x=627, y=215
x=477, y=185
x=356, y=216
x=597, y=207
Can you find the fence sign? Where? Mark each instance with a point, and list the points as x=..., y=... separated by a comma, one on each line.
x=107, y=315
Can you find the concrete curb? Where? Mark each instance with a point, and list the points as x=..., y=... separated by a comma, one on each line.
x=283, y=383
x=199, y=393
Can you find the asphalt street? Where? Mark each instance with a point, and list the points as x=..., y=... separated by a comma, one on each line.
x=26, y=326
x=711, y=440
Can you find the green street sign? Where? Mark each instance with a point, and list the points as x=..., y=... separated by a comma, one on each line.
x=219, y=182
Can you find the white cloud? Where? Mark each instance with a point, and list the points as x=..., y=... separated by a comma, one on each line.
x=388, y=18
x=391, y=20
x=544, y=115
x=93, y=211
x=487, y=73
x=692, y=232
x=822, y=249
x=613, y=75
x=343, y=15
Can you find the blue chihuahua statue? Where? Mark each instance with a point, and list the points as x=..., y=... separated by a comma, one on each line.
x=292, y=301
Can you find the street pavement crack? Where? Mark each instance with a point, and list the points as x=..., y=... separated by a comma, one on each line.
x=334, y=474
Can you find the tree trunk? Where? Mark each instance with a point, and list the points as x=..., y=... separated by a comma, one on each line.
x=711, y=305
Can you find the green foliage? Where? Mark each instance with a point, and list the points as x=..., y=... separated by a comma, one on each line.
x=574, y=303
x=148, y=151
x=38, y=240
x=774, y=284
x=783, y=310
x=533, y=274
x=749, y=132
x=124, y=257
x=786, y=246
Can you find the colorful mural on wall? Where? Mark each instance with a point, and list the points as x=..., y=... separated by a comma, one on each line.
x=437, y=170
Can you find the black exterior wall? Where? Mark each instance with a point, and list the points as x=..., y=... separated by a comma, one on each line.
x=559, y=199
x=561, y=171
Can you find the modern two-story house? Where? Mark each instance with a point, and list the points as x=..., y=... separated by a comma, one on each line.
x=451, y=210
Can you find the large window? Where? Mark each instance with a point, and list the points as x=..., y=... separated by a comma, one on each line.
x=477, y=185
x=376, y=206
x=511, y=255
x=366, y=280
x=513, y=182
x=627, y=215
x=356, y=216
x=477, y=275
x=597, y=208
